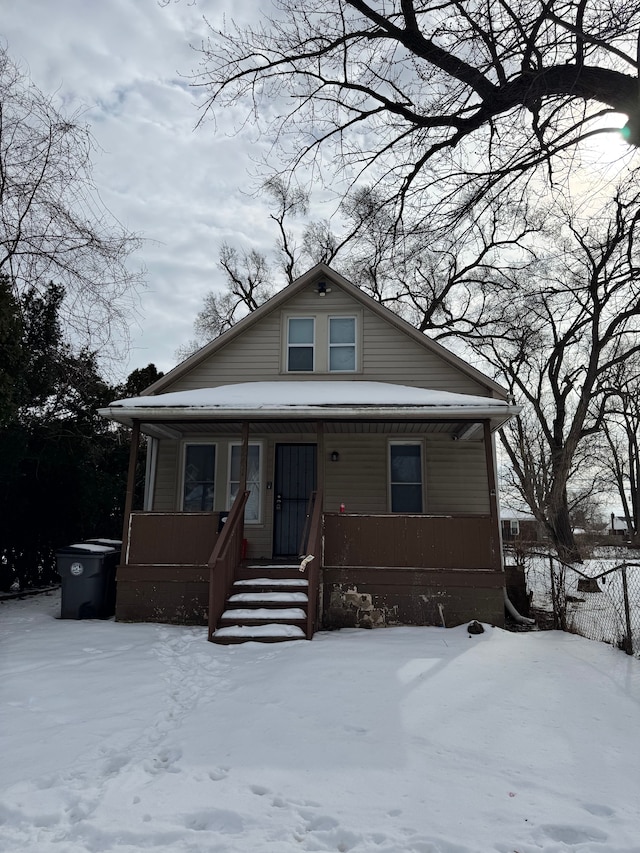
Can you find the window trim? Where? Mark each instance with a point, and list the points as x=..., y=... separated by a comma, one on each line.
x=260, y=446
x=289, y=345
x=356, y=354
x=393, y=442
x=183, y=470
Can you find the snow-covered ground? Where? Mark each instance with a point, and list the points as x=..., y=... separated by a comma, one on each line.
x=400, y=740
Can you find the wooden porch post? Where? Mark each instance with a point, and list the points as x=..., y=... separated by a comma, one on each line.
x=131, y=481
x=493, y=495
x=320, y=461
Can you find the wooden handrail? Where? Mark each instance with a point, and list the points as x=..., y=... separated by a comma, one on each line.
x=314, y=546
x=224, y=560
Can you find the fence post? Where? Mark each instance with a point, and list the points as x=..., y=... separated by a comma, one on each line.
x=628, y=646
x=554, y=599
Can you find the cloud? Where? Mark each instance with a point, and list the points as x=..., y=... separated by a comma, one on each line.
x=124, y=65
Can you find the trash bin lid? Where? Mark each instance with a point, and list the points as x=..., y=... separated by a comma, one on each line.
x=88, y=548
x=114, y=543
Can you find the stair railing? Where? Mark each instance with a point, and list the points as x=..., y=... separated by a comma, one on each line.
x=314, y=546
x=224, y=560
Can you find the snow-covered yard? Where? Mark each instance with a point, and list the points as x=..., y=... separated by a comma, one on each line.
x=599, y=612
x=401, y=740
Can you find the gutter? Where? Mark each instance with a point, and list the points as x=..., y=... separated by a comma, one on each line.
x=126, y=415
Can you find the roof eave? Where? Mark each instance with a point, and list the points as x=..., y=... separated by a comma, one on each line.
x=498, y=415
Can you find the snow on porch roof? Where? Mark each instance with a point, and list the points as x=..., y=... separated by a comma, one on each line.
x=317, y=399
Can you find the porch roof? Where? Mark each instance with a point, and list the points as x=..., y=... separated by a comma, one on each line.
x=310, y=400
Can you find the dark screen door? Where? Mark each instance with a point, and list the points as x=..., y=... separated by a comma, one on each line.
x=295, y=479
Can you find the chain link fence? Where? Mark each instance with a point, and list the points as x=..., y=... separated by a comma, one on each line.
x=599, y=599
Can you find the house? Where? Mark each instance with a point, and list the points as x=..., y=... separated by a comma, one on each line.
x=518, y=527
x=321, y=426
x=618, y=525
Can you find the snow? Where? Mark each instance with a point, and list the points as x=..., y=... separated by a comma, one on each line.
x=271, y=597
x=93, y=548
x=272, y=630
x=266, y=613
x=285, y=394
x=126, y=738
x=274, y=582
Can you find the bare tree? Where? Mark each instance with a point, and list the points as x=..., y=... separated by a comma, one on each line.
x=618, y=454
x=444, y=104
x=247, y=286
x=443, y=288
x=53, y=226
x=570, y=324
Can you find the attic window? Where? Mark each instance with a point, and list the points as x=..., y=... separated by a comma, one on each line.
x=342, y=344
x=300, y=344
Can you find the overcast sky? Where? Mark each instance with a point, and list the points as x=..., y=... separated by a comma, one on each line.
x=184, y=190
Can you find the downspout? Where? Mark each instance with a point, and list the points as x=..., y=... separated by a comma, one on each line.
x=517, y=617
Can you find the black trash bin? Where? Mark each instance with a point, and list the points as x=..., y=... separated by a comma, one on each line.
x=88, y=572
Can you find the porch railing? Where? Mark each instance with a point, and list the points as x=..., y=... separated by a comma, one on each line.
x=170, y=538
x=313, y=545
x=406, y=541
x=224, y=560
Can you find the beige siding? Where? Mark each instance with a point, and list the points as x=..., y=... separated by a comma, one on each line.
x=391, y=356
x=359, y=479
x=164, y=497
x=456, y=476
x=253, y=357
x=387, y=354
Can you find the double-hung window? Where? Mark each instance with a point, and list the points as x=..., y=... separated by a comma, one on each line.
x=252, y=509
x=301, y=344
x=199, y=477
x=405, y=476
x=342, y=344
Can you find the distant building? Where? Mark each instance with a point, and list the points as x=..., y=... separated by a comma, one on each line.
x=518, y=526
x=618, y=525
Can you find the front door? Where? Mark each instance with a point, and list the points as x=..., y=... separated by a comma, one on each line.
x=295, y=479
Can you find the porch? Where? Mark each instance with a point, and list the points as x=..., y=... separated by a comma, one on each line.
x=367, y=571
x=404, y=525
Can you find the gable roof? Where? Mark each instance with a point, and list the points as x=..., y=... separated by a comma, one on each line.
x=317, y=273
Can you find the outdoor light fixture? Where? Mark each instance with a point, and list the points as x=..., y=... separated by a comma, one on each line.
x=323, y=289
x=335, y=456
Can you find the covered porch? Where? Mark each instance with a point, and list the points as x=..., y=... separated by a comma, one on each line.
x=384, y=552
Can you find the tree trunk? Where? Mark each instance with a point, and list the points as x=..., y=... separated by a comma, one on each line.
x=562, y=536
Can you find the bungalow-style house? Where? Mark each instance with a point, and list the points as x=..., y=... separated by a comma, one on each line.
x=618, y=525
x=518, y=527
x=320, y=464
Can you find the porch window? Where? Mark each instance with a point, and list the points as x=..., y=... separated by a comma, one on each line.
x=342, y=344
x=405, y=477
x=199, y=477
x=300, y=344
x=253, y=507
